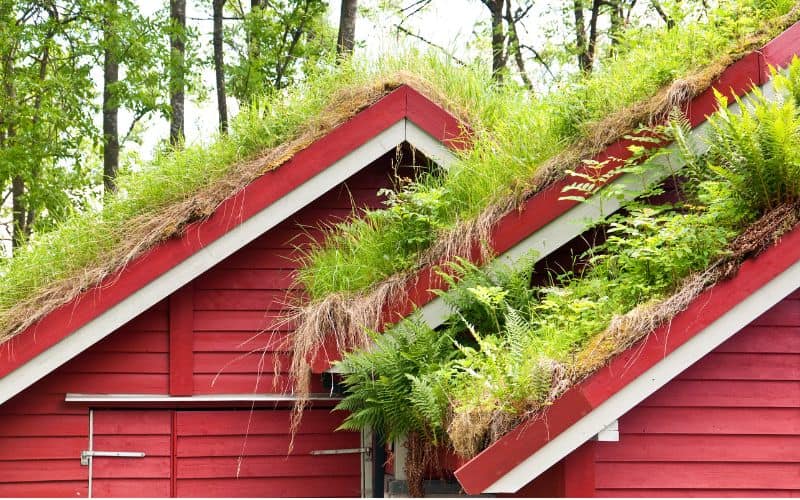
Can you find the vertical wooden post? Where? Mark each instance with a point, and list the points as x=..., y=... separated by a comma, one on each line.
x=579, y=480
x=181, y=340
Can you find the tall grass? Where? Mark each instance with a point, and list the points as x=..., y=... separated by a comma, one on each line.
x=515, y=348
x=515, y=134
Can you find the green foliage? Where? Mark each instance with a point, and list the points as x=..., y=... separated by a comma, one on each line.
x=276, y=44
x=396, y=387
x=515, y=133
x=758, y=153
x=480, y=295
x=522, y=338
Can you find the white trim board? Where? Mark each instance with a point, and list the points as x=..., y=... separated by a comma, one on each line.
x=166, y=400
x=205, y=258
x=650, y=381
x=573, y=222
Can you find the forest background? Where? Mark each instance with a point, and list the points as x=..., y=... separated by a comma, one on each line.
x=91, y=88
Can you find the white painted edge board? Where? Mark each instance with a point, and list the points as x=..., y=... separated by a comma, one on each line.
x=205, y=258
x=99, y=399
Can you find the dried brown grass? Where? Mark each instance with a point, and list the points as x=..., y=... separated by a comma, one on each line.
x=144, y=232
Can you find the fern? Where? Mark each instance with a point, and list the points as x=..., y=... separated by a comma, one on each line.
x=389, y=387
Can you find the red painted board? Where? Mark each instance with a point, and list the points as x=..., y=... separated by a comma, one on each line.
x=780, y=51
x=694, y=493
x=718, y=421
x=699, y=476
x=700, y=448
x=53, y=489
x=342, y=486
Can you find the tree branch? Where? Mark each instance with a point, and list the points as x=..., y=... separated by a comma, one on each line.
x=432, y=44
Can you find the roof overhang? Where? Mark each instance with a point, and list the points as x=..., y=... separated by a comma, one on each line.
x=404, y=115
x=586, y=409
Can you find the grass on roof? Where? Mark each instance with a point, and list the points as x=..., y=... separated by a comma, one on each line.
x=517, y=133
x=158, y=199
x=511, y=349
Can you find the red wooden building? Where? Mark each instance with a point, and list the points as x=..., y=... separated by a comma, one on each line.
x=156, y=383
x=159, y=383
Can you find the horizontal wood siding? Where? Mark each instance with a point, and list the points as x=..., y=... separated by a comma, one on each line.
x=147, y=431
x=241, y=339
x=237, y=343
x=41, y=438
x=728, y=426
x=244, y=453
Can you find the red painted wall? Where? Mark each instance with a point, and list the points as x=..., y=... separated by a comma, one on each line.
x=216, y=347
x=727, y=426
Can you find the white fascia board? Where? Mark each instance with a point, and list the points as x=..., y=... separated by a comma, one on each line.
x=609, y=433
x=650, y=381
x=205, y=258
x=165, y=399
x=430, y=146
x=574, y=222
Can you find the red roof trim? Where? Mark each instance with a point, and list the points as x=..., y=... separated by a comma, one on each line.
x=494, y=462
x=403, y=102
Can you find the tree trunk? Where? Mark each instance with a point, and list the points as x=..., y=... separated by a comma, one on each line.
x=110, y=103
x=498, y=38
x=347, y=28
x=219, y=68
x=591, y=45
x=177, y=85
x=586, y=45
x=18, y=211
x=580, y=36
x=663, y=15
x=514, y=48
x=252, y=46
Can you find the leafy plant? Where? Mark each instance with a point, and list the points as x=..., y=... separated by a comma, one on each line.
x=392, y=389
x=514, y=134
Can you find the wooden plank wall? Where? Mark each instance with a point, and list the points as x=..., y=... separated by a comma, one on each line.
x=238, y=304
x=215, y=459
x=41, y=437
x=727, y=426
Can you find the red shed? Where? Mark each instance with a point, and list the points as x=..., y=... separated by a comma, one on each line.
x=157, y=383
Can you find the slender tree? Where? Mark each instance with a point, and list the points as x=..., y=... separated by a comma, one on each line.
x=345, y=41
x=46, y=112
x=177, y=14
x=110, y=101
x=499, y=54
x=219, y=65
